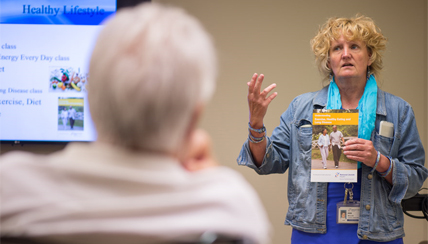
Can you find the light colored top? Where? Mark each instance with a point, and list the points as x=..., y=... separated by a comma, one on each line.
x=124, y=197
x=323, y=140
x=72, y=113
x=336, y=137
x=64, y=114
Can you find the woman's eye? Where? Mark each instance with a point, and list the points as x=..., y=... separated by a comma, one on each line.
x=354, y=47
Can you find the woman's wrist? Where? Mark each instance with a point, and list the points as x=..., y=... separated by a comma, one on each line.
x=257, y=128
x=378, y=156
x=383, y=165
x=258, y=131
x=256, y=123
x=386, y=168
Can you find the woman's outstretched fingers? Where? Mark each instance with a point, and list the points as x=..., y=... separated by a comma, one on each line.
x=259, y=82
x=251, y=83
x=266, y=92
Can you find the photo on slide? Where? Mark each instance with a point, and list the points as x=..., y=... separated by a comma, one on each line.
x=70, y=114
x=66, y=79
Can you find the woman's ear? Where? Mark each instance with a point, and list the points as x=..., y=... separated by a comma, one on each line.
x=327, y=64
x=370, y=57
x=370, y=60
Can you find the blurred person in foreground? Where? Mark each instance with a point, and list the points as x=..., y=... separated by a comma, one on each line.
x=150, y=176
x=391, y=168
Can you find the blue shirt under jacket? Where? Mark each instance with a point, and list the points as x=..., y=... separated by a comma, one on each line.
x=289, y=147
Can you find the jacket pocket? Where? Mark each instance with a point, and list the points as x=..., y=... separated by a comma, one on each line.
x=304, y=136
x=383, y=144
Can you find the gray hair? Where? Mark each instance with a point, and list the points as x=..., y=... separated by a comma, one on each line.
x=151, y=67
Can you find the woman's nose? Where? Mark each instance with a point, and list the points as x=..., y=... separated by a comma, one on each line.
x=345, y=52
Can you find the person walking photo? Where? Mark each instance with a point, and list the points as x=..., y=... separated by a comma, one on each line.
x=72, y=116
x=64, y=116
x=336, y=142
x=324, y=145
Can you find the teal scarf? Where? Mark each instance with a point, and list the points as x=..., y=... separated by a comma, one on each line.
x=366, y=106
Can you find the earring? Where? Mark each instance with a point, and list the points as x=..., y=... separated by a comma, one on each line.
x=331, y=75
x=368, y=72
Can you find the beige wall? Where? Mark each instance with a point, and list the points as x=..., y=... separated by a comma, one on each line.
x=272, y=37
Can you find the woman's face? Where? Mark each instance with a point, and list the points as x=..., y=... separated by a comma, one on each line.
x=349, y=59
x=324, y=131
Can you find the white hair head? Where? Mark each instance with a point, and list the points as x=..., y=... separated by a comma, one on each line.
x=151, y=67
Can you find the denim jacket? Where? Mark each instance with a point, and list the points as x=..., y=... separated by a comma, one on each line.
x=289, y=147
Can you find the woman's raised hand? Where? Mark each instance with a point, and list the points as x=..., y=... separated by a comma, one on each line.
x=258, y=101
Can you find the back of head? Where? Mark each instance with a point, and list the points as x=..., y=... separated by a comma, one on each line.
x=151, y=67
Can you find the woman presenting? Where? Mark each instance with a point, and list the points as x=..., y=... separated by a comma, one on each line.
x=348, y=53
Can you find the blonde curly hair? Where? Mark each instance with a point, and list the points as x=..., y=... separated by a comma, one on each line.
x=358, y=28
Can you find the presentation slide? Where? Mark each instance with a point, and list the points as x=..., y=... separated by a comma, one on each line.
x=44, y=58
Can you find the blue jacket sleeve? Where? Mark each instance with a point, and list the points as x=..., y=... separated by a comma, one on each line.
x=408, y=158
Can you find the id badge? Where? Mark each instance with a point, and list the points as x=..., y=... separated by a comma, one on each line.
x=349, y=212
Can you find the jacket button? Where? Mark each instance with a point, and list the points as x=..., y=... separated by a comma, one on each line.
x=364, y=237
x=367, y=207
x=370, y=176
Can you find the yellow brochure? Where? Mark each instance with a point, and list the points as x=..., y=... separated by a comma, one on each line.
x=331, y=128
